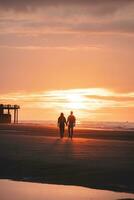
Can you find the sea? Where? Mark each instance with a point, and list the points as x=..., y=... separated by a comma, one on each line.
x=96, y=125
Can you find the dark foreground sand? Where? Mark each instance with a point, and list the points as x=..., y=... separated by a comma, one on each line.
x=97, y=159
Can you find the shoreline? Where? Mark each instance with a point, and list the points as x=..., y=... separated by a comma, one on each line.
x=53, y=131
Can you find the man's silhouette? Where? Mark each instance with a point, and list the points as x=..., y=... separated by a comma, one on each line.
x=61, y=124
x=71, y=120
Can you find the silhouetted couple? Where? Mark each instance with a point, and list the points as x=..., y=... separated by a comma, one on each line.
x=70, y=122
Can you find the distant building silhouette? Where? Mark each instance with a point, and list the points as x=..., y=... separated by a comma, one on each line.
x=6, y=117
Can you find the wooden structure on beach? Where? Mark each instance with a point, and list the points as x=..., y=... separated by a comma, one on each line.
x=6, y=117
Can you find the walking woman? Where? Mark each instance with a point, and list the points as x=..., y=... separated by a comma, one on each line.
x=61, y=124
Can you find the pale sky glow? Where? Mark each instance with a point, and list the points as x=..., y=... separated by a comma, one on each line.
x=62, y=55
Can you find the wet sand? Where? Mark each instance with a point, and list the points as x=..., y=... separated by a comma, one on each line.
x=94, y=158
x=18, y=190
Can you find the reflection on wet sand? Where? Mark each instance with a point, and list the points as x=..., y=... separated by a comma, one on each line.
x=14, y=190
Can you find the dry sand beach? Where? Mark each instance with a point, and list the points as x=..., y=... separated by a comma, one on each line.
x=94, y=158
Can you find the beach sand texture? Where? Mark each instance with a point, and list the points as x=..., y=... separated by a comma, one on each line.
x=94, y=158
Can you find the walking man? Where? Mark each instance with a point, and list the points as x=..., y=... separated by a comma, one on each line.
x=61, y=124
x=71, y=120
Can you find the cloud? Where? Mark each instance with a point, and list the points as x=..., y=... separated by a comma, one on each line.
x=77, y=99
x=88, y=102
x=56, y=26
x=97, y=6
x=122, y=26
x=67, y=17
x=59, y=48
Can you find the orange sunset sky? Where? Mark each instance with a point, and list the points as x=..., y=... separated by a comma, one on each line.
x=59, y=55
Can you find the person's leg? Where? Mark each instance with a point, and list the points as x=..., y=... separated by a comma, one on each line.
x=61, y=131
x=71, y=131
x=68, y=131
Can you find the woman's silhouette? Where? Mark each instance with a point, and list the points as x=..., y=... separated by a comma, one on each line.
x=61, y=124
